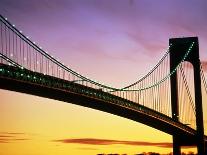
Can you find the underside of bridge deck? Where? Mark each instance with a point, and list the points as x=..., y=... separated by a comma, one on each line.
x=185, y=138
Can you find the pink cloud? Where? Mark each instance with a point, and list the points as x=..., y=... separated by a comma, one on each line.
x=94, y=141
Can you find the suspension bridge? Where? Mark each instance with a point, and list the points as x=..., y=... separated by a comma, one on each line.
x=170, y=98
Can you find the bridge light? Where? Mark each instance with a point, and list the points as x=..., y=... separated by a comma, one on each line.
x=20, y=31
x=13, y=25
x=11, y=55
x=27, y=37
x=5, y=18
x=34, y=42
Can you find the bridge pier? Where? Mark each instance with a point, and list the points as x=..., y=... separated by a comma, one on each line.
x=200, y=146
x=177, y=52
x=176, y=146
x=174, y=103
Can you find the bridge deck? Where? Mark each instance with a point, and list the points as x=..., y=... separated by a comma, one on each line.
x=26, y=81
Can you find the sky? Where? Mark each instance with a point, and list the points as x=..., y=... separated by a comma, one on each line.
x=115, y=42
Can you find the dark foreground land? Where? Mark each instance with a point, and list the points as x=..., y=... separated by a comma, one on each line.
x=149, y=153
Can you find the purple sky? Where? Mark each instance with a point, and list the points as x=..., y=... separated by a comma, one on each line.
x=110, y=41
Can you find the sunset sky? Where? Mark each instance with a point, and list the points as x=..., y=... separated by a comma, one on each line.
x=112, y=41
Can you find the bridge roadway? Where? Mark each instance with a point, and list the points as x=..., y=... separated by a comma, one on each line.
x=29, y=82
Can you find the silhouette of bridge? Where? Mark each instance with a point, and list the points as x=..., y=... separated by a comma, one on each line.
x=169, y=98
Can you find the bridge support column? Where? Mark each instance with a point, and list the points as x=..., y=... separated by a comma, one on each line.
x=174, y=102
x=176, y=146
x=205, y=148
x=177, y=52
x=198, y=105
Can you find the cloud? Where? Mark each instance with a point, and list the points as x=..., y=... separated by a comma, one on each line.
x=10, y=140
x=12, y=133
x=8, y=137
x=5, y=136
x=2, y=141
x=149, y=44
x=95, y=141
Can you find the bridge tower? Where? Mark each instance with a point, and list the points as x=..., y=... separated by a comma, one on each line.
x=177, y=51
